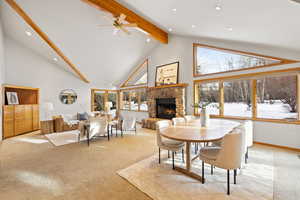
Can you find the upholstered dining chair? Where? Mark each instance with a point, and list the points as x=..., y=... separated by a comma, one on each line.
x=248, y=137
x=246, y=129
x=167, y=144
x=228, y=156
x=189, y=118
x=177, y=120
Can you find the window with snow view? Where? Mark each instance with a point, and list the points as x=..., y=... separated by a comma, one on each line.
x=210, y=60
x=237, y=98
x=208, y=93
x=277, y=97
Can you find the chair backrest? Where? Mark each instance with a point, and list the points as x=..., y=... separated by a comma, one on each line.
x=129, y=123
x=189, y=118
x=249, y=133
x=161, y=125
x=177, y=120
x=98, y=125
x=230, y=156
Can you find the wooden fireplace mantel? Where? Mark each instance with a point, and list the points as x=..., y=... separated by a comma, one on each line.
x=173, y=85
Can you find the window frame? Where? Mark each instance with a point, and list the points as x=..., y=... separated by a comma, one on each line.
x=137, y=90
x=105, y=92
x=254, y=79
x=196, y=45
x=125, y=83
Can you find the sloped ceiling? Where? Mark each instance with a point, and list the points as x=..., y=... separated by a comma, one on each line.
x=266, y=22
x=106, y=59
x=73, y=26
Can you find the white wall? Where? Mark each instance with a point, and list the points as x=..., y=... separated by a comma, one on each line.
x=25, y=68
x=1, y=73
x=180, y=49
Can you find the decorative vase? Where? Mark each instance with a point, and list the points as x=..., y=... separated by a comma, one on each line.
x=204, y=118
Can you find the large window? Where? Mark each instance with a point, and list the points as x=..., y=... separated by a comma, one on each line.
x=208, y=93
x=134, y=99
x=277, y=97
x=125, y=100
x=105, y=101
x=271, y=98
x=138, y=77
x=209, y=60
x=99, y=101
x=237, y=98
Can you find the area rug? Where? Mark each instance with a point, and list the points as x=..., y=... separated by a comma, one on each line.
x=63, y=138
x=160, y=182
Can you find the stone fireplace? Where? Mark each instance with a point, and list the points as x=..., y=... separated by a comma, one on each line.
x=170, y=99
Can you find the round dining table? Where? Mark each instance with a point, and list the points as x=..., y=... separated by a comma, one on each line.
x=192, y=132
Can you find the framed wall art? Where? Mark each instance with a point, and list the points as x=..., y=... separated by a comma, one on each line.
x=167, y=74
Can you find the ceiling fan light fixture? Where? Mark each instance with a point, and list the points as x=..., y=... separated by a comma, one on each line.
x=218, y=7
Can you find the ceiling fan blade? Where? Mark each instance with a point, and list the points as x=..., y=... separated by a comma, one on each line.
x=108, y=17
x=130, y=25
x=125, y=30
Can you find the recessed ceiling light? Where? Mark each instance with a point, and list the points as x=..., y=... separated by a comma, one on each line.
x=193, y=26
x=148, y=40
x=174, y=9
x=55, y=59
x=170, y=29
x=229, y=28
x=218, y=7
x=28, y=33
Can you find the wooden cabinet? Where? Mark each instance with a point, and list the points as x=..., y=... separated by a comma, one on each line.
x=24, y=117
x=35, y=117
x=8, y=121
x=20, y=119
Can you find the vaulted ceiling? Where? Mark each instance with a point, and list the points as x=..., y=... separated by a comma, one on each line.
x=74, y=27
x=266, y=22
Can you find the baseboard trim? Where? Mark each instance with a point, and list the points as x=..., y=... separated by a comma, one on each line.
x=278, y=146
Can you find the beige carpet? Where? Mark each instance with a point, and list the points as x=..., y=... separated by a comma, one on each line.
x=63, y=138
x=160, y=182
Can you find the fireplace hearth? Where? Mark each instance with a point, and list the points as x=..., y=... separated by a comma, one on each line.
x=166, y=108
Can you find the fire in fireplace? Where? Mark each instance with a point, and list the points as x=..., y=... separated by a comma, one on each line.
x=166, y=108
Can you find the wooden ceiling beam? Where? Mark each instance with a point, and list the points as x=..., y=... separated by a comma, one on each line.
x=116, y=9
x=43, y=35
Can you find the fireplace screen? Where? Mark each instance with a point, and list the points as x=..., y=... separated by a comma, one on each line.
x=166, y=108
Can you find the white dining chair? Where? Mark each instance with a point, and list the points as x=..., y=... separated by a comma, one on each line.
x=249, y=137
x=167, y=144
x=189, y=118
x=178, y=120
x=228, y=156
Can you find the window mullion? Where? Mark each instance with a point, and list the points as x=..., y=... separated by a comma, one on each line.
x=196, y=97
x=221, y=94
x=254, y=99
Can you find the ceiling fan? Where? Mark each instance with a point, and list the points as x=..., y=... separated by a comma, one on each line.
x=119, y=23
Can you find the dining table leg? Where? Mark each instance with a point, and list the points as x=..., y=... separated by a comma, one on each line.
x=188, y=156
x=188, y=162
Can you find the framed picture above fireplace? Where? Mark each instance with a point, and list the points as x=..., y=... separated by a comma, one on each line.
x=167, y=74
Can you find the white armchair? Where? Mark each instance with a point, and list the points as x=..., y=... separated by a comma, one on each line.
x=228, y=156
x=167, y=144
